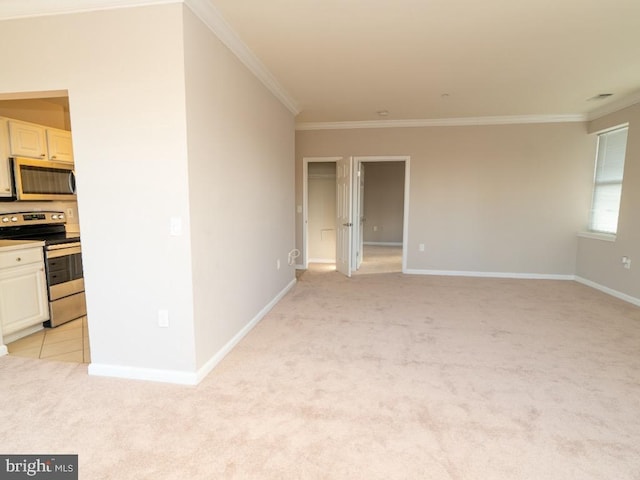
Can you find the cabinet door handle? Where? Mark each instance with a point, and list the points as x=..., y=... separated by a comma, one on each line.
x=43, y=154
x=53, y=157
x=18, y=259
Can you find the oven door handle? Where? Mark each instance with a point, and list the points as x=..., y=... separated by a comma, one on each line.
x=63, y=252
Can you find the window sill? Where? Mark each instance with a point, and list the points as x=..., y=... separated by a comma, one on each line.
x=607, y=237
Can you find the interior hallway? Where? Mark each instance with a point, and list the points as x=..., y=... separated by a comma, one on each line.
x=380, y=259
x=376, y=259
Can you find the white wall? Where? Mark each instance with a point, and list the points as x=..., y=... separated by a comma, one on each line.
x=599, y=261
x=124, y=71
x=505, y=199
x=241, y=189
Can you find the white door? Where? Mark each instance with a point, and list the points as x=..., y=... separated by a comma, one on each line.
x=358, y=215
x=344, y=221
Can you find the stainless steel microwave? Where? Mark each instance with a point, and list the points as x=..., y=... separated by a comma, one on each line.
x=43, y=180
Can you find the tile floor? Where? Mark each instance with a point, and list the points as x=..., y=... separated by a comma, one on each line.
x=67, y=343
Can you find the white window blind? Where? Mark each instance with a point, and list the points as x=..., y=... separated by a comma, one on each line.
x=607, y=188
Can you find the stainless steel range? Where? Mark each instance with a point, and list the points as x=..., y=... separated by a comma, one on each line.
x=63, y=260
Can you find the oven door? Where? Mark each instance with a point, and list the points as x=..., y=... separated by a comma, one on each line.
x=64, y=270
x=66, y=283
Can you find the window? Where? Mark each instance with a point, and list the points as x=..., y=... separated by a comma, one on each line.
x=607, y=185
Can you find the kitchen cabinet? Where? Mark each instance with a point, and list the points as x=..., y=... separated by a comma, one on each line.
x=6, y=186
x=59, y=145
x=27, y=140
x=23, y=288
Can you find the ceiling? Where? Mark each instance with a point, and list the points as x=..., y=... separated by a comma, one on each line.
x=346, y=60
x=422, y=60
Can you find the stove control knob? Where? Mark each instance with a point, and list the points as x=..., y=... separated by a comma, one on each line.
x=61, y=216
x=54, y=217
x=14, y=219
x=5, y=219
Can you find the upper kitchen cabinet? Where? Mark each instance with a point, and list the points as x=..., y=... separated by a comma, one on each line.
x=59, y=145
x=5, y=165
x=27, y=140
x=37, y=141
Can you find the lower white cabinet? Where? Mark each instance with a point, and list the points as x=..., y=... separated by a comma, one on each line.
x=23, y=289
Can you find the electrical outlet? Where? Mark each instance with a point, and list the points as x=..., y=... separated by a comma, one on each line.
x=163, y=318
x=421, y=247
x=626, y=262
x=278, y=264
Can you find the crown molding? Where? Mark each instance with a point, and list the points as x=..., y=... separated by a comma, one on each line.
x=443, y=122
x=612, y=107
x=211, y=17
x=203, y=9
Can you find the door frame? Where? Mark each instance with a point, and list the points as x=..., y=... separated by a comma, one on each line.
x=305, y=202
x=356, y=163
x=405, y=220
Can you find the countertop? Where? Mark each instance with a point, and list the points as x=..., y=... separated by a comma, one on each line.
x=7, y=245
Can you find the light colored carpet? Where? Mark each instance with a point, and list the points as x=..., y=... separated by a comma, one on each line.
x=374, y=377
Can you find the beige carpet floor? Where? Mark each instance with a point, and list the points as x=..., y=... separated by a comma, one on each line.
x=375, y=377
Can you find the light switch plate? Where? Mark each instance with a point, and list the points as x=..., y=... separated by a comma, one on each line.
x=163, y=318
x=175, y=228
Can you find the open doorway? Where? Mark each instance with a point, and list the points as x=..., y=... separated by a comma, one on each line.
x=319, y=211
x=51, y=321
x=321, y=219
x=380, y=221
x=376, y=220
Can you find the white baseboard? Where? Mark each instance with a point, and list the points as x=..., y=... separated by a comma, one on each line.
x=384, y=244
x=299, y=266
x=3, y=350
x=530, y=276
x=213, y=361
x=322, y=260
x=609, y=291
x=140, y=373
x=181, y=377
x=458, y=273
